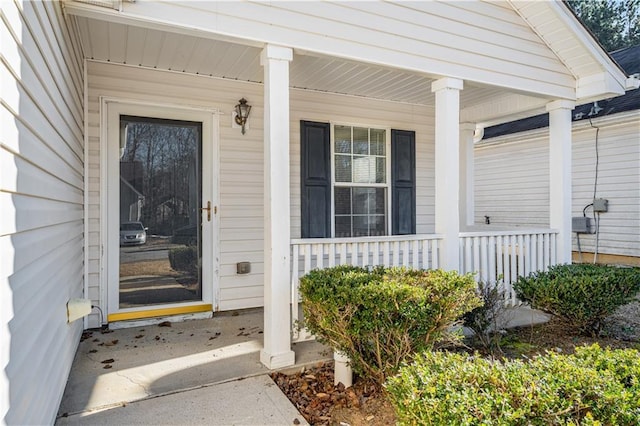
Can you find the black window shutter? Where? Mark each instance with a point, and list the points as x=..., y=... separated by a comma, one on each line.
x=403, y=182
x=315, y=167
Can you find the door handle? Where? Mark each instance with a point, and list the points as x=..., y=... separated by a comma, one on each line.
x=208, y=209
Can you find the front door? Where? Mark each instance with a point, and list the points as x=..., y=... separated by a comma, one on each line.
x=161, y=202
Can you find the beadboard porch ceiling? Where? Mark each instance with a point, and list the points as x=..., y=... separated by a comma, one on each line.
x=152, y=48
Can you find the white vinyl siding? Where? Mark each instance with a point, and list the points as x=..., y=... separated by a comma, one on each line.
x=516, y=192
x=41, y=203
x=241, y=211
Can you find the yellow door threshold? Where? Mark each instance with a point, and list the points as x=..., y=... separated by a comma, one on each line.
x=162, y=312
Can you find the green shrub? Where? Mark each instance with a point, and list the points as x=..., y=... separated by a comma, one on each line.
x=583, y=294
x=593, y=386
x=485, y=320
x=381, y=317
x=184, y=259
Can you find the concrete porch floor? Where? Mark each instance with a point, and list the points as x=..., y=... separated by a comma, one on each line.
x=189, y=372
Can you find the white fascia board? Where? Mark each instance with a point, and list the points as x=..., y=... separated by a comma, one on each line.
x=85, y=10
x=614, y=76
x=618, y=119
x=599, y=86
x=633, y=82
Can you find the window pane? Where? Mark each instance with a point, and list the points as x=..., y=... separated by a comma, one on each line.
x=342, y=137
x=380, y=203
x=342, y=200
x=378, y=141
x=361, y=226
x=363, y=169
x=360, y=140
x=381, y=170
x=377, y=225
x=343, y=226
x=361, y=147
x=343, y=168
x=364, y=200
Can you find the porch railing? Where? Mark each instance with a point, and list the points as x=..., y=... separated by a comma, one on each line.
x=415, y=251
x=500, y=257
x=497, y=257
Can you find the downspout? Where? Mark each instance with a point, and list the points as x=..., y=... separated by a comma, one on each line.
x=85, y=113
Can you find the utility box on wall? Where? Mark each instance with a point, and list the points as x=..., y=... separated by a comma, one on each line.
x=243, y=267
x=581, y=225
x=600, y=205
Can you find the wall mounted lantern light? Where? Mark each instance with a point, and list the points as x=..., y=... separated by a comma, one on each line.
x=242, y=113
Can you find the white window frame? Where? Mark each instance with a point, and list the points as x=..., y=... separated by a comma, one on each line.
x=386, y=185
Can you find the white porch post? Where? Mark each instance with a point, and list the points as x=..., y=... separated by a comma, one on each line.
x=467, y=201
x=560, y=175
x=277, y=269
x=447, y=217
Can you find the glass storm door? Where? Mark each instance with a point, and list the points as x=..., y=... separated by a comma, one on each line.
x=160, y=205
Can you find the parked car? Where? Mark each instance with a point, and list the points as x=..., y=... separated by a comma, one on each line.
x=132, y=233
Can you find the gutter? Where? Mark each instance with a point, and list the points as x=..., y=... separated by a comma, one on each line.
x=632, y=82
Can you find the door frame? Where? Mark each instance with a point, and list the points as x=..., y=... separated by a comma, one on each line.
x=111, y=109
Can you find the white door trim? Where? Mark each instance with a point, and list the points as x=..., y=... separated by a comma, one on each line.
x=110, y=111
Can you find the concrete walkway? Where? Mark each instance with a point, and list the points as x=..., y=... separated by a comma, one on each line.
x=193, y=372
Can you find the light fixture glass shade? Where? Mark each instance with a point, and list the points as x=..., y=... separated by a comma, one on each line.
x=242, y=113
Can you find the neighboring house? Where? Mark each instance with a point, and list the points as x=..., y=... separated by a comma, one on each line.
x=512, y=183
x=361, y=127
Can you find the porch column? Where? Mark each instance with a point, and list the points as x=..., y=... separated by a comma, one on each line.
x=277, y=269
x=467, y=201
x=447, y=158
x=560, y=175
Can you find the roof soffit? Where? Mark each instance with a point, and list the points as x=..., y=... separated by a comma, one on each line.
x=506, y=67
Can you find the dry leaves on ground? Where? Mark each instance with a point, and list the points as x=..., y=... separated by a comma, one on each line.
x=314, y=394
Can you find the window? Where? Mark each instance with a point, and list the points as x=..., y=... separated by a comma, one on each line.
x=360, y=181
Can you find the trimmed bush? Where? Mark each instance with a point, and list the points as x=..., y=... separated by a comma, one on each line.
x=583, y=294
x=184, y=259
x=485, y=320
x=381, y=317
x=593, y=386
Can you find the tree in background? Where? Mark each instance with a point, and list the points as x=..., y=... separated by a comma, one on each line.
x=615, y=23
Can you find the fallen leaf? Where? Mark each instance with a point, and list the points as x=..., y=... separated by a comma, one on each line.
x=139, y=336
x=164, y=324
x=108, y=366
x=296, y=421
x=108, y=361
x=322, y=396
x=93, y=351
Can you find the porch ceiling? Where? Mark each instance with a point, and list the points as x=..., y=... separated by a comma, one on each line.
x=154, y=48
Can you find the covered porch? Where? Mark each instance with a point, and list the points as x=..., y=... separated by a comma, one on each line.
x=340, y=80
